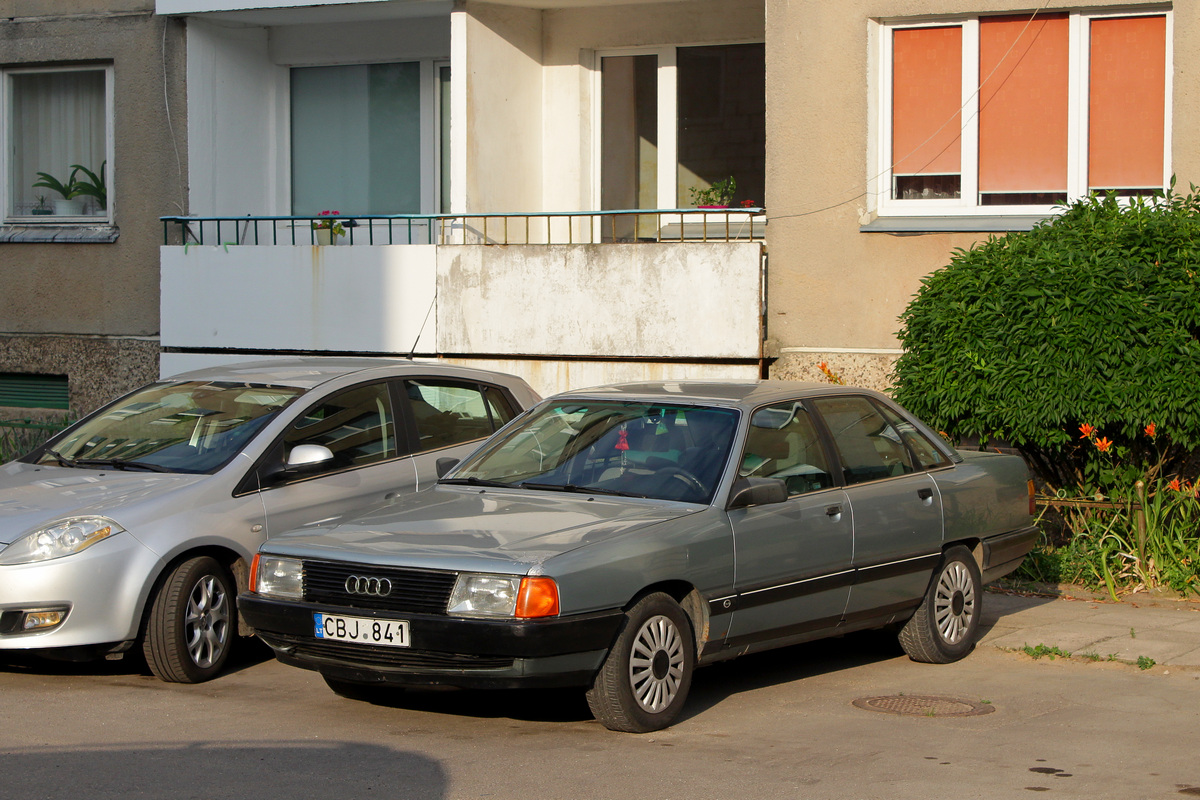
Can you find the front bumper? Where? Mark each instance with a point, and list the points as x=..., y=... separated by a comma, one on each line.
x=444, y=651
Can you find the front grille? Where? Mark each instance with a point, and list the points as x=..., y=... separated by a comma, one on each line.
x=373, y=655
x=414, y=591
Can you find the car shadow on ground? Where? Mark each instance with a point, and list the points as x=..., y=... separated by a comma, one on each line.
x=248, y=653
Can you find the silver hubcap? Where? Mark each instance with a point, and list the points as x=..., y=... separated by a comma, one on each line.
x=656, y=664
x=954, y=602
x=206, y=624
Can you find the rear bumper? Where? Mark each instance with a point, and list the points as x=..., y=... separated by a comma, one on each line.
x=1004, y=553
x=447, y=651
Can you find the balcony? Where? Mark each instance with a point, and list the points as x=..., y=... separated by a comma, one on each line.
x=563, y=298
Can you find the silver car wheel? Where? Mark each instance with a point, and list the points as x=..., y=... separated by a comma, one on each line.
x=206, y=622
x=954, y=602
x=656, y=664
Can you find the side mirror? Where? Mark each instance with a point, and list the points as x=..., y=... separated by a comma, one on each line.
x=757, y=492
x=304, y=456
x=444, y=465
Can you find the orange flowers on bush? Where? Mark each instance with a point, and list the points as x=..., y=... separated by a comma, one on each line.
x=1103, y=445
x=1151, y=430
x=1086, y=431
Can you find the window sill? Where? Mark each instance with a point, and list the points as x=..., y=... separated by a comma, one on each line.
x=59, y=234
x=974, y=223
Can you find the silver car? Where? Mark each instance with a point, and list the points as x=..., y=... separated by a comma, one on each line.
x=616, y=538
x=136, y=526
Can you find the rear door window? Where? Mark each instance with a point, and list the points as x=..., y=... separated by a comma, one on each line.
x=446, y=413
x=870, y=447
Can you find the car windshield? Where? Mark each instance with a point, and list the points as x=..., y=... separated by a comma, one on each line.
x=666, y=452
x=173, y=427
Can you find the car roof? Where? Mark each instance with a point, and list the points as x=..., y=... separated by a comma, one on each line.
x=307, y=372
x=740, y=394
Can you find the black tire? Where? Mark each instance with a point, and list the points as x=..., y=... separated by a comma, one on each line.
x=645, y=678
x=944, y=628
x=192, y=623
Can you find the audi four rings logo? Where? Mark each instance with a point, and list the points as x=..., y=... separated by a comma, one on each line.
x=374, y=587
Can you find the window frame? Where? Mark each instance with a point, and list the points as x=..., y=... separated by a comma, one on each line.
x=6, y=143
x=880, y=180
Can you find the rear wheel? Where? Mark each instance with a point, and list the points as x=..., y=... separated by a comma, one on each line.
x=192, y=622
x=644, y=681
x=944, y=628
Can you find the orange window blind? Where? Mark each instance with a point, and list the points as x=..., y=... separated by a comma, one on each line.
x=1127, y=102
x=927, y=100
x=1023, y=67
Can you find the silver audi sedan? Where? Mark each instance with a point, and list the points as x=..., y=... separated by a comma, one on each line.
x=134, y=528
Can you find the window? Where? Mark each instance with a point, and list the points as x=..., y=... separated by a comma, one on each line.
x=1018, y=114
x=366, y=138
x=674, y=119
x=783, y=443
x=870, y=448
x=448, y=413
x=355, y=425
x=58, y=148
x=22, y=390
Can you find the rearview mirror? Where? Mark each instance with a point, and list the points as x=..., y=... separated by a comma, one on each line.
x=757, y=492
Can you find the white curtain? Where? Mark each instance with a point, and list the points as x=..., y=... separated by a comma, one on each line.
x=58, y=119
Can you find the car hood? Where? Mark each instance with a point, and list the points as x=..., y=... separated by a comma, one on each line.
x=453, y=527
x=32, y=495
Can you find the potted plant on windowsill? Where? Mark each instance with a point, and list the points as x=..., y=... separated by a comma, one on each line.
x=719, y=195
x=324, y=230
x=70, y=205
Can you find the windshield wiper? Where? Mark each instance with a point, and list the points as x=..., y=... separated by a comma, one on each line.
x=117, y=463
x=570, y=487
x=62, y=460
x=473, y=481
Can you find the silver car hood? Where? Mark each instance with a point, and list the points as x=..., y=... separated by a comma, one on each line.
x=459, y=527
x=32, y=494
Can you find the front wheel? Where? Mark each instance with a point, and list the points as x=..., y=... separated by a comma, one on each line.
x=944, y=627
x=192, y=622
x=645, y=678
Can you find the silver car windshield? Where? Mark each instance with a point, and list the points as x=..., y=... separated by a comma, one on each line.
x=177, y=427
x=666, y=452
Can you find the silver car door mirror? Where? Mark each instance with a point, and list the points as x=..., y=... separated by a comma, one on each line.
x=757, y=492
x=308, y=455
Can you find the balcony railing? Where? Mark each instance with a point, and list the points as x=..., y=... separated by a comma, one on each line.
x=546, y=227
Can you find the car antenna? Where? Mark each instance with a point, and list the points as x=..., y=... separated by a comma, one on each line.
x=422, y=328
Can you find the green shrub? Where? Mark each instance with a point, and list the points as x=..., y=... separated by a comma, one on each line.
x=1090, y=319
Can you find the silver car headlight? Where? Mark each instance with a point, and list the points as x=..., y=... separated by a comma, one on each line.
x=63, y=538
x=481, y=595
x=273, y=576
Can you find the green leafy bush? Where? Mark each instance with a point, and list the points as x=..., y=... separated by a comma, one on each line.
x=1068, y=341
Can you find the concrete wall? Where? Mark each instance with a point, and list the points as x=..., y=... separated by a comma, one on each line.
x=64, y=306
x=361, y=298
x=643, y=301
x=834, y=291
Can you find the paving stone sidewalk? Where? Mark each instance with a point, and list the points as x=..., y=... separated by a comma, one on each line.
x=1166, y=631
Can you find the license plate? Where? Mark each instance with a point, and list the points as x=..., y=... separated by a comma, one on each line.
x=361, y=630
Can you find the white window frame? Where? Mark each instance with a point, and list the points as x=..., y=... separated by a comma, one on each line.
x=879, y=183
x=6, y=146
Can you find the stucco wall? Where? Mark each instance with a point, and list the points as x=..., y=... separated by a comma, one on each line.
x=108, y=289
x=832, y=286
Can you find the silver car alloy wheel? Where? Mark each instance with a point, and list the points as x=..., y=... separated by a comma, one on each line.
x=656, y=664
x=954, y=602
x=206, y=621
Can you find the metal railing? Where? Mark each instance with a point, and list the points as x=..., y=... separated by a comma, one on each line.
x=546, y=227
x=18, y=437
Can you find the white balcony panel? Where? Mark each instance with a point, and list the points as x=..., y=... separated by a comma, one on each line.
x=362, y=298
x=687, y=300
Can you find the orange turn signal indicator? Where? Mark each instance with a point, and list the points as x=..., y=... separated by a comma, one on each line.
x=254, y=574
x=537, y=597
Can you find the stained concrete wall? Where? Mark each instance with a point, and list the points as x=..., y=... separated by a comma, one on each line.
x=835, y=291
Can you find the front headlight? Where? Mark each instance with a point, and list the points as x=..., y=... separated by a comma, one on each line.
x=272, y=576
x=62, y=538
x=476, y=595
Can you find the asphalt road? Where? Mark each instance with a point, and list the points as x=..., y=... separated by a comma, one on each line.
x=777, y=725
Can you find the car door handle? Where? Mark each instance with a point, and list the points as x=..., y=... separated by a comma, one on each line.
x=833, y=511
x=924, y=494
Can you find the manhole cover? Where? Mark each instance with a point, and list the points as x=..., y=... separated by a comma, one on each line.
x=911, y=705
